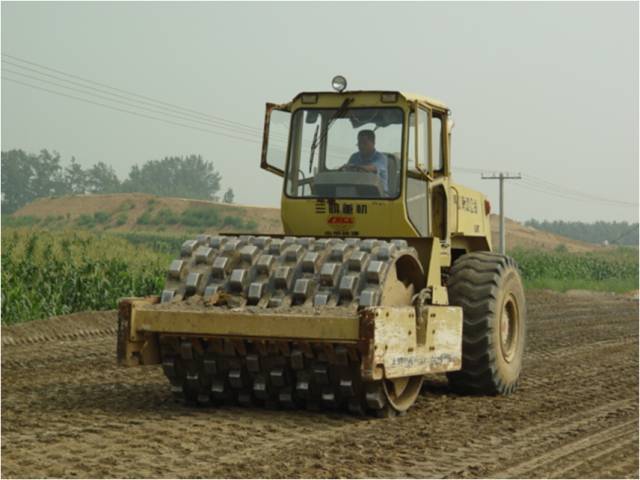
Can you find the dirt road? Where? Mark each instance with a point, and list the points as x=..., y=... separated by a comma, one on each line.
x=68, y=411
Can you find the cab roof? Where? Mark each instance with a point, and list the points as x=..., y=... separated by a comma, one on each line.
x=411, y=97
x=415, y=97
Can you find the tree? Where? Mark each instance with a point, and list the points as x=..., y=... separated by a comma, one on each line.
x=75, y=178
x=26, y=177
x=101, y=178
x=228, y=196
x=187, y=177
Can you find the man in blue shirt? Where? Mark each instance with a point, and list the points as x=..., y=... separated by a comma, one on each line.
x=369, y=159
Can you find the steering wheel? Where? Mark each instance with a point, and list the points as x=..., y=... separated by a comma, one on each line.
x=353, y=168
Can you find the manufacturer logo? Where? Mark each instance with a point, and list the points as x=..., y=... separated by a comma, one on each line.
x=339, y=220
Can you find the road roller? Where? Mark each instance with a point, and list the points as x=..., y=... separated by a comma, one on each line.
x=384, y=273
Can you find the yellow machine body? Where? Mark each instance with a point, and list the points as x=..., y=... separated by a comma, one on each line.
x=458, y=216
x=348, y=307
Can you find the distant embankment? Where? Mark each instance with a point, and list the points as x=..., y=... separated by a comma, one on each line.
x=142, y=212
x=150, y=213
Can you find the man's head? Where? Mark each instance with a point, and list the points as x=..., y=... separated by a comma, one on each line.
x=366, y=142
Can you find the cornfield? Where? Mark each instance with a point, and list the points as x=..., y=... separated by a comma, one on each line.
x=46, y=273
x=620, y=264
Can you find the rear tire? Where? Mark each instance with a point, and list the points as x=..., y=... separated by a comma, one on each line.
x=489, y=289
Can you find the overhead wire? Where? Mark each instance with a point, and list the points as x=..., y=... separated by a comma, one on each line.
x=129, y=93
x=126, y=103
x=111, y=107
x=569, y=194
x=231, y=129
x=140, y=104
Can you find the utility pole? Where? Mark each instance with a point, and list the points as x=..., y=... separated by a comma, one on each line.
x=502, y=177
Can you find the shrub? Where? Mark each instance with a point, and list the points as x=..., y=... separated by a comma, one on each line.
x=200, y=216
x=121, y=219
x=230, y=221
x=251, y=225
x=166, y=216
x=144, y=219
x=101, y=217
x=127, y=205
x=86, y=220
x=238, y=223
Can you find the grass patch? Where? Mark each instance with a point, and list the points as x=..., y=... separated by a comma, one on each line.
x=18, y=222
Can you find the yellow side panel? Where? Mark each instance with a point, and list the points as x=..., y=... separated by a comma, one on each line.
x=345, y=218
x=468, y=213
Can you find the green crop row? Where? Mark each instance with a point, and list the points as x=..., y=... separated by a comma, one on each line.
x=611, y=269
x=46, y=274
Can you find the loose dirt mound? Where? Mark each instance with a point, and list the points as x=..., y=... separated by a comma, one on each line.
x=68, y=411
x=267, y=219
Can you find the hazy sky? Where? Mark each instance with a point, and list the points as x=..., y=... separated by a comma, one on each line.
x=546, y=89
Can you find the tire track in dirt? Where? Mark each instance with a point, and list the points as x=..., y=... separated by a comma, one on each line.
x=68, y=410
x=68, y=327
x=560, y=461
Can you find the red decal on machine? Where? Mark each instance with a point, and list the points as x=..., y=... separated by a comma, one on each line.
x=335, y=220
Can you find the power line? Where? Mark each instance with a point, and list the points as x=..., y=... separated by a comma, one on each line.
x=111, y=107
x=239, y=130
x=566, y=190
x=192, y=111
x=536, y=187
x=89, y=90
x=254, y=139
x=89, y=93
x=177, y=112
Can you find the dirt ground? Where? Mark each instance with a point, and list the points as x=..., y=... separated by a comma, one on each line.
x=68, y=411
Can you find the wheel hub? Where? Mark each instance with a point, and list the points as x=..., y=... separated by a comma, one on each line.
x=509, y=329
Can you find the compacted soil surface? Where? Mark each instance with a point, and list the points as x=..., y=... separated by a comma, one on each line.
x=69, y=411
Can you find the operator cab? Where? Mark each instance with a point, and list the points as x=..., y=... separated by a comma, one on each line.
x=345, y=153
x=385, y=153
